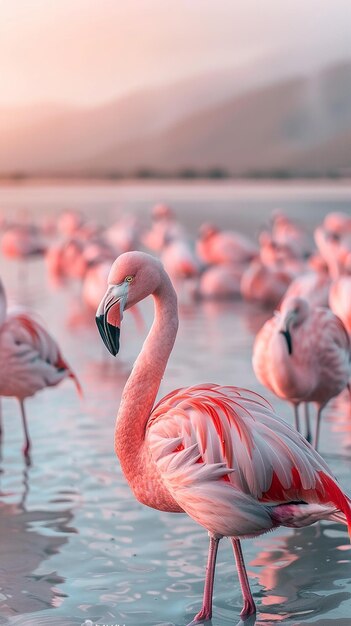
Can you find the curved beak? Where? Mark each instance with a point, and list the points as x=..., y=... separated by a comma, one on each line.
x=109, y=315
x=285, y=331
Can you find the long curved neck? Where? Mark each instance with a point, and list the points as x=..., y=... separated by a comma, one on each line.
x=143, y=383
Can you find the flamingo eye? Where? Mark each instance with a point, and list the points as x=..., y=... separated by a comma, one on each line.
x=129, y=279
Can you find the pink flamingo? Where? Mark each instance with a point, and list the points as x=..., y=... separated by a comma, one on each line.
x=30, y=359
x=290, y=235
x=302, y=354
x=337, y=254
x=336, y=223
x=340, y=299
x=165, y=228
x=182, y=267
x=69, y=222
x=216, y=246
x=94, y=284
x=219, y=454
x=264, y=284
x=313, y=286
x=22, y=241
x=280, y=256
x=220, y=281
x=124, y=234
x=334, y=247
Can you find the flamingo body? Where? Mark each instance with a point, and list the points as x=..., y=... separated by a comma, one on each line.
x=264, y=284
x=215, y=246
x=302, y=354
x=313, y=286
x=219, y=454
x=318, y=367
x=220, y=281
x=30, y=358
x=20, y=242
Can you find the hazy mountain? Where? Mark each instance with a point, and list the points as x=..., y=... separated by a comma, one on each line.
x=273, y=128
x=58, y=138
x=228, y=120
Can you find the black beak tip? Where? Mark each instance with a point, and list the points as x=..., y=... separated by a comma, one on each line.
x=109, y=334
x=287, y=335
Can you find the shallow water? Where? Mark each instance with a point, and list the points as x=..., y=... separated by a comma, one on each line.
x=74, y=544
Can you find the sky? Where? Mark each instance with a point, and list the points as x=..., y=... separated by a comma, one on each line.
x=85, y=52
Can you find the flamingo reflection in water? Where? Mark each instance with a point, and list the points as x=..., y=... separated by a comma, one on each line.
x=23, y=548
x=294, y=568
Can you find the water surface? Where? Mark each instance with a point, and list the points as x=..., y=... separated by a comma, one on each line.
x=74, y=544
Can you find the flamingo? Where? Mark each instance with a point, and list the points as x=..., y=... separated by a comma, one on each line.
x=124, y=234
x=336, y=252
x=164, y=229
x=264, y=284
x=313, y=286
x=303, y=354
x=30, y=359
x=340, y=299
x=218, y=453
x=69, y=222
x=22, y=241
x=182, y=266
x=220, y=281
x=216, y=246
x=287, y=233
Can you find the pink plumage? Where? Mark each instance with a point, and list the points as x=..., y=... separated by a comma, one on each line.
x=302, y=354
x=218, y=453
x=30, y=358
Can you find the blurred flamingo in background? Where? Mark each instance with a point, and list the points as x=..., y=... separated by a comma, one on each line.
x=336, y=224
x=263, y=284
x=69, y=222
x=182, y=266
x=313, y=285
x=94, y=284
x=72, y=258
x=286, y=233
x=302, y=354
x=30, y=359
x=219, y=454
x=22, y=241
x=220, y=281
x=340, y=298
x=221, y=246
x=335, y=249
x=165, y=228
x=280, y=256
x=333, y=239
x=124, y=234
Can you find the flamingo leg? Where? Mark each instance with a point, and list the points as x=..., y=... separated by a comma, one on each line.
x=297, y=417
x=308, y=435
x=27, y=445
x=249, y=607
x=206, y=611
x=316, y=432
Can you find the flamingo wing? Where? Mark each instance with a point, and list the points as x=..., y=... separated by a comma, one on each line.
x=30, y=344
x=226, y=458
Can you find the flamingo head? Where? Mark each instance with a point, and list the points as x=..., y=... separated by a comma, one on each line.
x=294, y=311
x=161, y=211
x=133, y=276
x=207, y=230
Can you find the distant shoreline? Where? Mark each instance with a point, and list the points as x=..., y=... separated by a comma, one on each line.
x=308, y=181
